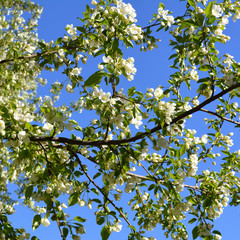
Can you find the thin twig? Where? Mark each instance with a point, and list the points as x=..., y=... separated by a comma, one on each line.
x=131, y=173
x=152, y=25
x=143, y=167
x=223, y=118
x=91, y=180
x=59, y=227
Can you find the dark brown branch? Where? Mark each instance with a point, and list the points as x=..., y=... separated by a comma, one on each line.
x=152, y=25
x=223, y=118
x=138, y=136
x=102, y=192
x=28, y=57
x=59, y=227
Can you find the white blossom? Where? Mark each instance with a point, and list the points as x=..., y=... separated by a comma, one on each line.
x=217, y=11
x=2, y=125
x=71, y=31
x=127, y=10
x=23, y=136
x=69, y=88
x=158, y=92
x=47, y=127
x=76, y=71
x=45, y=222
x=104, y=97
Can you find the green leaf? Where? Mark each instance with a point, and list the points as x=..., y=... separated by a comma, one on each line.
x=78, y=128
x=96, y=200
x=65, y=232
x=97, y=175
x=15, y=53
x=81, y=29
x=217, y=232
x=203, y=80
x=36, y=221
x=42, y=45
x=28, y=192
x=195, y=232
x=25, y=154
x=211, y=20
x=208, y=10
x=200, y=18
x=86, y=15
x=34, y=238
x=192, y=220
x=172, y=176
x=100, y=52
x=192, y=3
x=161, y=5
x=207, y=203
x=182, y=149
x=131, y=91
x=173, y=56
x=95, y=191
x=29, y=126
x=204, y=68
x=100, y=220
x=58, y=41
x=151, y=187
x=94, y=79
x=79, y=219
x=73, y=199
x=105, y=233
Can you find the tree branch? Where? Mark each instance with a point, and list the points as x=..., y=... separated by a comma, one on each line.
x=223, y=118
x=91, y=180
x=29, y=57
x=138, y=136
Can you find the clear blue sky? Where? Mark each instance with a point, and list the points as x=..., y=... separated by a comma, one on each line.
x=153, y=70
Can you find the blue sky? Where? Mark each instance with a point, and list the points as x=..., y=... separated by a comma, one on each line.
x=153, y=70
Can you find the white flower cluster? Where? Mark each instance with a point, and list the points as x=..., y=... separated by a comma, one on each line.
x=118, y=13
x=217, y=11
x=135, y=32
x=137, y=121
x=117, y=227
x=194, y=162
x=131, y=181
x=76, y=71
x=179, y=182
x=103, y=96
x=5, y=208
x=168, y=109
x=190, y=140
x=72, y=31
x=45, y=222
x=58, y=120
x=164, y=14
x=123, y=66
x=194, y=74
x=2, y=127
x=21, y=114
x=126, y=10
x=158, y=92
x=24, y=235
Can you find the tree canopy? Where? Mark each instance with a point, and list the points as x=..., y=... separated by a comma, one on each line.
x=133, y=146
